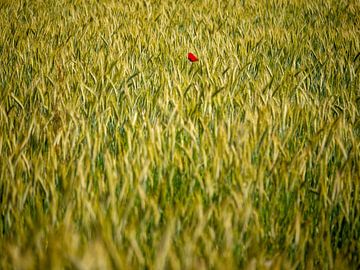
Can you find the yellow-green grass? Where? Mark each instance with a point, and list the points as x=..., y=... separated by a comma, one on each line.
x=117, y=152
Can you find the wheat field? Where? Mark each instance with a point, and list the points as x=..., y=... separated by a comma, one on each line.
x=119, y=153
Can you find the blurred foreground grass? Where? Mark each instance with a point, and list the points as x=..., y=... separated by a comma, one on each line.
x=116, y=152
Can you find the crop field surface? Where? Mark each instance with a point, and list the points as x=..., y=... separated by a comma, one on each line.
x=117, y=152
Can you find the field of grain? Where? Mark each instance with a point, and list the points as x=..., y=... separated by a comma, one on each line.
x=116, y=152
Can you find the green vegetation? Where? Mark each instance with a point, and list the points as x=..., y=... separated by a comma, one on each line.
x=117, y=152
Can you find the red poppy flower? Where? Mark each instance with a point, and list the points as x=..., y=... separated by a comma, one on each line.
x=192, y=57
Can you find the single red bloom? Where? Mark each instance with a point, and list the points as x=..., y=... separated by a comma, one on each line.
x=192, y=57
